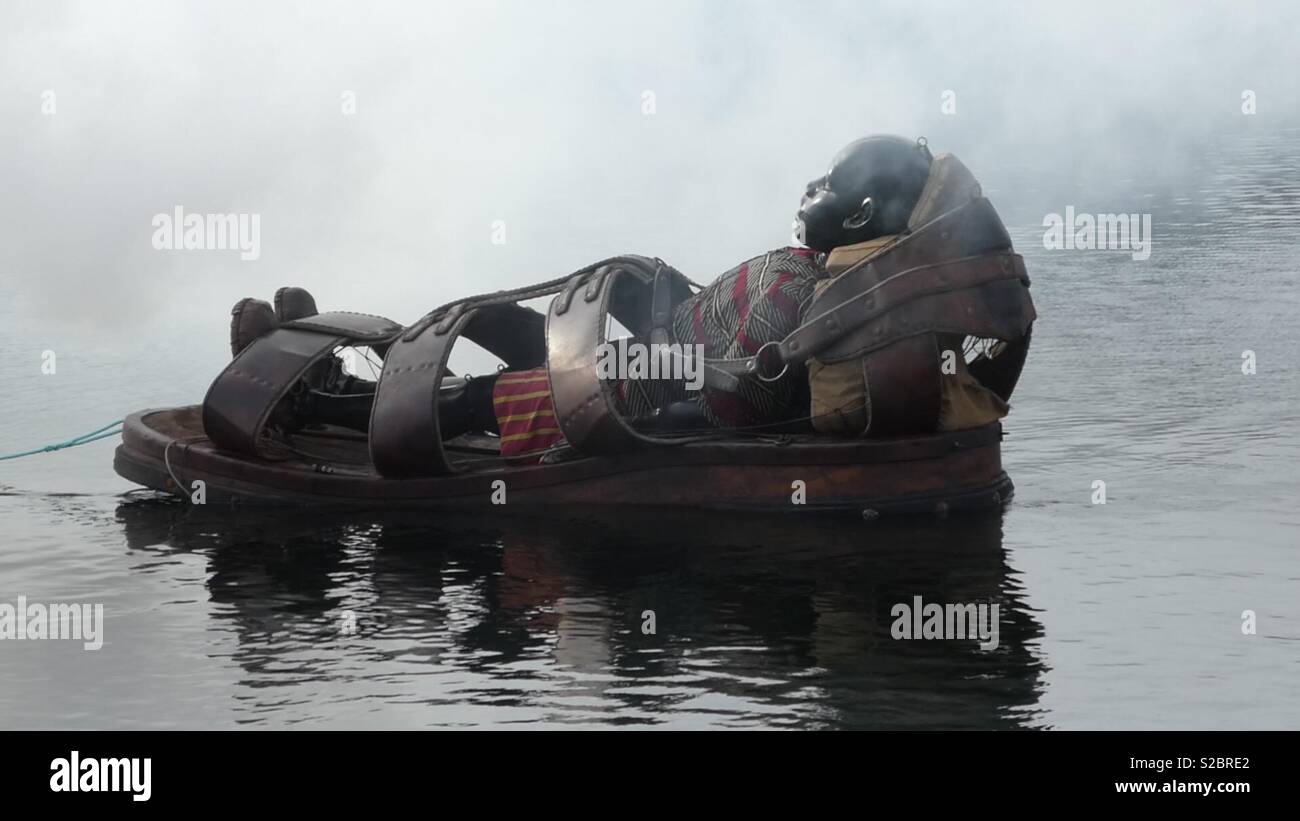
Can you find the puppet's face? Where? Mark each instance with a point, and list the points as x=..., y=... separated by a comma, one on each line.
x=810, y=193
x=819, y=223
x=869, y=191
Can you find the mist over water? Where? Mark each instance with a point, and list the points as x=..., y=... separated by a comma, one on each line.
x=1122, y=615
x=532, y=113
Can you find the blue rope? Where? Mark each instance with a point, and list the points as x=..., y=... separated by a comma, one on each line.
x=85, y=438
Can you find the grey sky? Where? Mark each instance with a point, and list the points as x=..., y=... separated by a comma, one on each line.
x=531, y=113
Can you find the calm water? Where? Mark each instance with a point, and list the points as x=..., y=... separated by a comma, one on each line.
x=1126, y=614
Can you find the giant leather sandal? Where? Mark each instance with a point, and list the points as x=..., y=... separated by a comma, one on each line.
x=954, y=273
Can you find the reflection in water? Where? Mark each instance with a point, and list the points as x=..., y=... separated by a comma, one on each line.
x=1135, y=379
x=758, y=621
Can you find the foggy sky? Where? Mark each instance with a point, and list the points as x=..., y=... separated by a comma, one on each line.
x=531, y=113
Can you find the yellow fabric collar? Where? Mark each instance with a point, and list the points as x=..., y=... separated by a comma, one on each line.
x=843, y=257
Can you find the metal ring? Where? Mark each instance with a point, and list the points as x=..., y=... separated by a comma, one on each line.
x=758, y=363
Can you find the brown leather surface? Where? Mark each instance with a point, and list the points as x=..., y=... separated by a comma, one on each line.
x=626, y=288
x=293, y=303
x=362, y=328
x=1001, y=309
x=661, y=309
x=848, y=473
x=956, y=274
x=634, y=308
x=514, y=333
x=583, y=406
x=900, y=307
x=935, y=256
x=242, y=398
x=950, y=184
x=250, y=318
x=405, y=439
x=903, y=387
x=404, y=436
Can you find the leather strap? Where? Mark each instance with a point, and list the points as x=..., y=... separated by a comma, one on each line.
x=404, y=437
x=516, y=334
x=661, y=308
x=951, y=252
x=358, y=328
x=584, y=405
x=969, y=296
x=961, y=252
x=241, y=400
x=982, y=297
x=903, y=387
x=404, y=433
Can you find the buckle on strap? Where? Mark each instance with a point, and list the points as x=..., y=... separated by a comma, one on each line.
x=768, y=364
x=764, y=362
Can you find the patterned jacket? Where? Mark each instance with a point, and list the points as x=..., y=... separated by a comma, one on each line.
x=760, y=300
